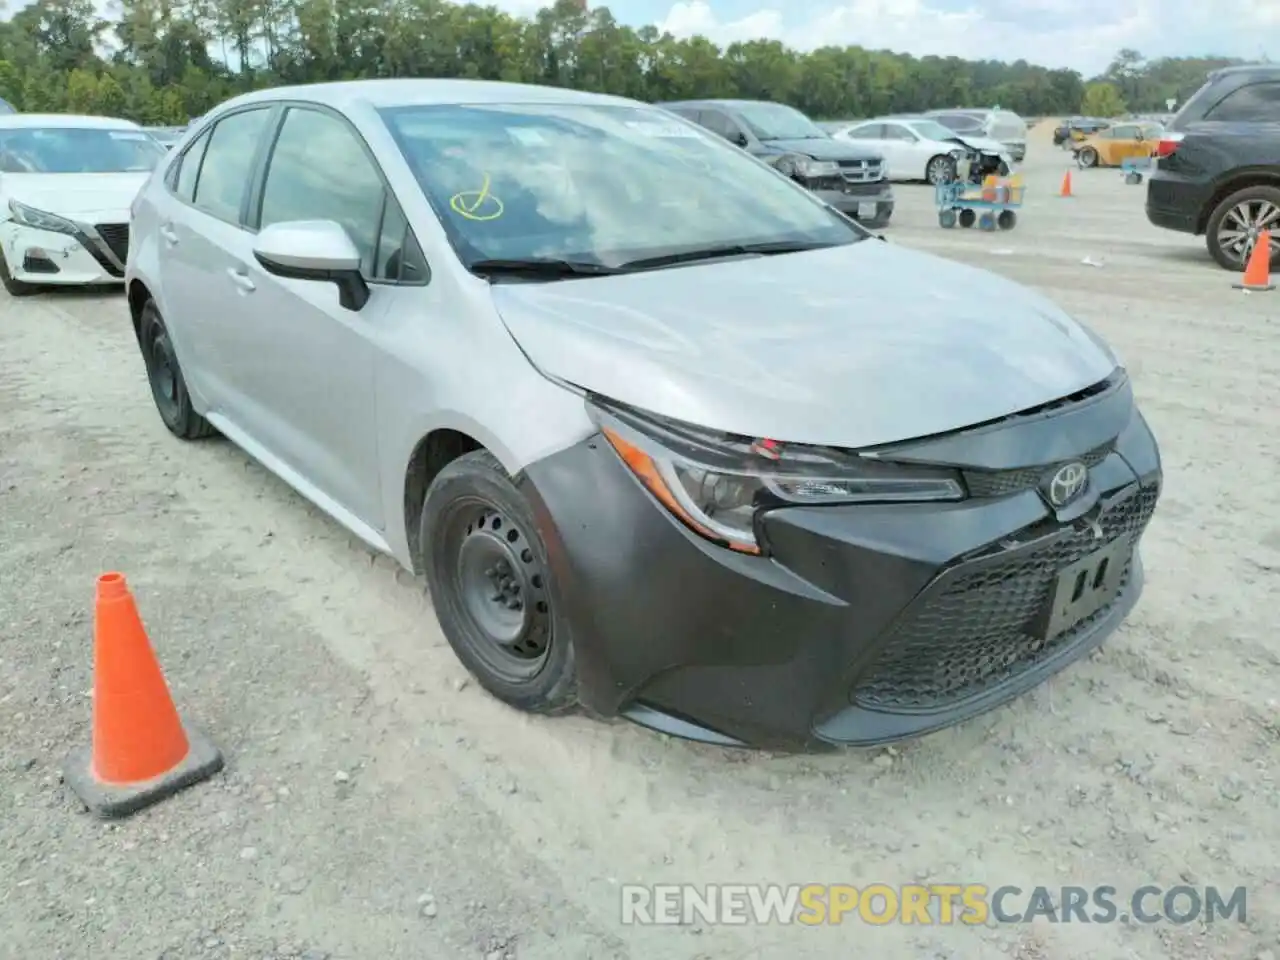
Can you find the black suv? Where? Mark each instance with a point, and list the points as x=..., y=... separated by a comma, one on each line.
x=1218, y=165
x=841, y=173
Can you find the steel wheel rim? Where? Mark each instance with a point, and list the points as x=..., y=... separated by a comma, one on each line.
x=1239, y=230
x=500, y=587
x=162, y=367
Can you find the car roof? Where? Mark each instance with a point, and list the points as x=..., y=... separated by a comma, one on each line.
x=720, y=103
x=414, y=92
x=16, y=121
x=1245, y=68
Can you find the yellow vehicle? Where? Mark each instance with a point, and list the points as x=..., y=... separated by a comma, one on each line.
x=1116, y=144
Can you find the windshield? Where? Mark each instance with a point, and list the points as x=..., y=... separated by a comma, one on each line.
x=776, y=121
x=597, y=184
x=931, y=129
x=76, y=150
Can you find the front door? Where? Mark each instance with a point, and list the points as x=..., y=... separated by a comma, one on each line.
x=308, y=364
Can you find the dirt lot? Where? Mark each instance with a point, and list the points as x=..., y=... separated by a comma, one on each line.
x=365, y=776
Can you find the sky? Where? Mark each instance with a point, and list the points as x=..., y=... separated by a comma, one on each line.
x=1080, y=34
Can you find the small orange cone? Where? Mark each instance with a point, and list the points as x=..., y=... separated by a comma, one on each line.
x=1257, y=272
x=141, y=751
x=1066, y=185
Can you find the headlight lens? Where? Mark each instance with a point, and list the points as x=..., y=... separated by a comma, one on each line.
x=809, y=167
x=718, y=485
x=39, y=219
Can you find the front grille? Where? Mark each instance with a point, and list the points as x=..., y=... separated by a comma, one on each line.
x=104, y=261
x=1000, y=483
x=859, y=189
x=984, y=628
x=860, y=171
x=116, y=237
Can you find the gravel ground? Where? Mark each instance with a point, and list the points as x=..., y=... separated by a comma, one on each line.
x=375, y=805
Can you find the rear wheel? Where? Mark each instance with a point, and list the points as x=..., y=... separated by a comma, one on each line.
x=1007, y=220
x=1236, y=222
x=168, y=387
x=492, y=587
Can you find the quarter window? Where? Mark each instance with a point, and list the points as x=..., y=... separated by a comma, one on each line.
x=1257, y=102
x=319, y=171
x=223, y=180
x=189, y=168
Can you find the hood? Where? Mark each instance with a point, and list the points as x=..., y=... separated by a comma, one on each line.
x=849, y=346
x=827, y=148
x=984, y=144
x=86, y=197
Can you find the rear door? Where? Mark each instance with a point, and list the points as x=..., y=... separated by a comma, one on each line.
x=198, y=235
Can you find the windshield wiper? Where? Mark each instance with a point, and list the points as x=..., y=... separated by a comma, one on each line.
x=542, y=268
x=729, y=250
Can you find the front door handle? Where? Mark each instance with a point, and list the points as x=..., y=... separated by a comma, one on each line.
x=241, y=279
x=168, y=233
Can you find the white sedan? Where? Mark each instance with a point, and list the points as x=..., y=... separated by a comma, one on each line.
x=917, y=148
x=66, y=185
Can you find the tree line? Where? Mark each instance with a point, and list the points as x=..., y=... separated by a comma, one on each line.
x=166, y=61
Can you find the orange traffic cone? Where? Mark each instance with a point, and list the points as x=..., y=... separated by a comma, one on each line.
x=1257, y=272
x=141, y=751
x=1066, y=185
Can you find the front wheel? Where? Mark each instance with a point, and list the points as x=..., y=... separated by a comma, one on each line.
x=1088, y=157
x=1237, y=222
x=940, y=169
x=168, y=386
x=492, y=586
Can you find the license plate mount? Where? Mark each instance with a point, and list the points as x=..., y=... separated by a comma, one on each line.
x=867, y=211
x=1086, y=586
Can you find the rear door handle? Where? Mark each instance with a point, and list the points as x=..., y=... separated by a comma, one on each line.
x=241, y=279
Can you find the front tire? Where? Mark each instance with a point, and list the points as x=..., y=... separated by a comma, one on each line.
x=492, y=587
x=1227, y=233
x=940, y=169
x=1088, y=157
x=168, y=386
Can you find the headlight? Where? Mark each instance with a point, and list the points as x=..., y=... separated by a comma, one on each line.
x=809, y=167
x=719, y=484
x=31, y=217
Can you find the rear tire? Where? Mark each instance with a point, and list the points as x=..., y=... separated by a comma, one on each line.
x=1007, y=220
x=493, y=589
x=15, y=288
x=168, y=386
x=1226, y=233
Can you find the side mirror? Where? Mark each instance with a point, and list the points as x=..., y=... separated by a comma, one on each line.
x=317, y=250
x=740, y=139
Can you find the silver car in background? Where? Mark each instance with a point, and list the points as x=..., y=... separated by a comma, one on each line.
x=667, y=437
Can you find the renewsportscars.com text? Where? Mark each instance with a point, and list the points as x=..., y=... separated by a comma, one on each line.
x=925, y=904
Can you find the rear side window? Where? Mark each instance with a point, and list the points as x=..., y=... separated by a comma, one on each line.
x=189, y=168
x=223, y=181
x=1256, y=103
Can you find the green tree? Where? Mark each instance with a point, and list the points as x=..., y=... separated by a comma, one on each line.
x=1102, y=99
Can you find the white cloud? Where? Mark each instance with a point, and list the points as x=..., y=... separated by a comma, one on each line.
x=1081, y=34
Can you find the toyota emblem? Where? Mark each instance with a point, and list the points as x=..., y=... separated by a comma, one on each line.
x=1068, y=483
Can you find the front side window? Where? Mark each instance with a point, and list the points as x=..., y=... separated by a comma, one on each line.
x=932, y=130
x=320, y=171
x=223, y=181
x=599, y=183
x=869, y=131
x=77, y=150
x=719, y=123
x=777, y=121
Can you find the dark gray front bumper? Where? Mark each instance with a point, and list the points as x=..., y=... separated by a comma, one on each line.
x=867, y=203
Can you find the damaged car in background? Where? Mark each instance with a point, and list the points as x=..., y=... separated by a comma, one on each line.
x=727, y=466
x=918, y=148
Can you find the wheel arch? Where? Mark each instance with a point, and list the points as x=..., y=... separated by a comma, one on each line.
x=138, y=295
x=1240, y=179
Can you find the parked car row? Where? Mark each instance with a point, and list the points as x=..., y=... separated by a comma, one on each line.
x=604, y=382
